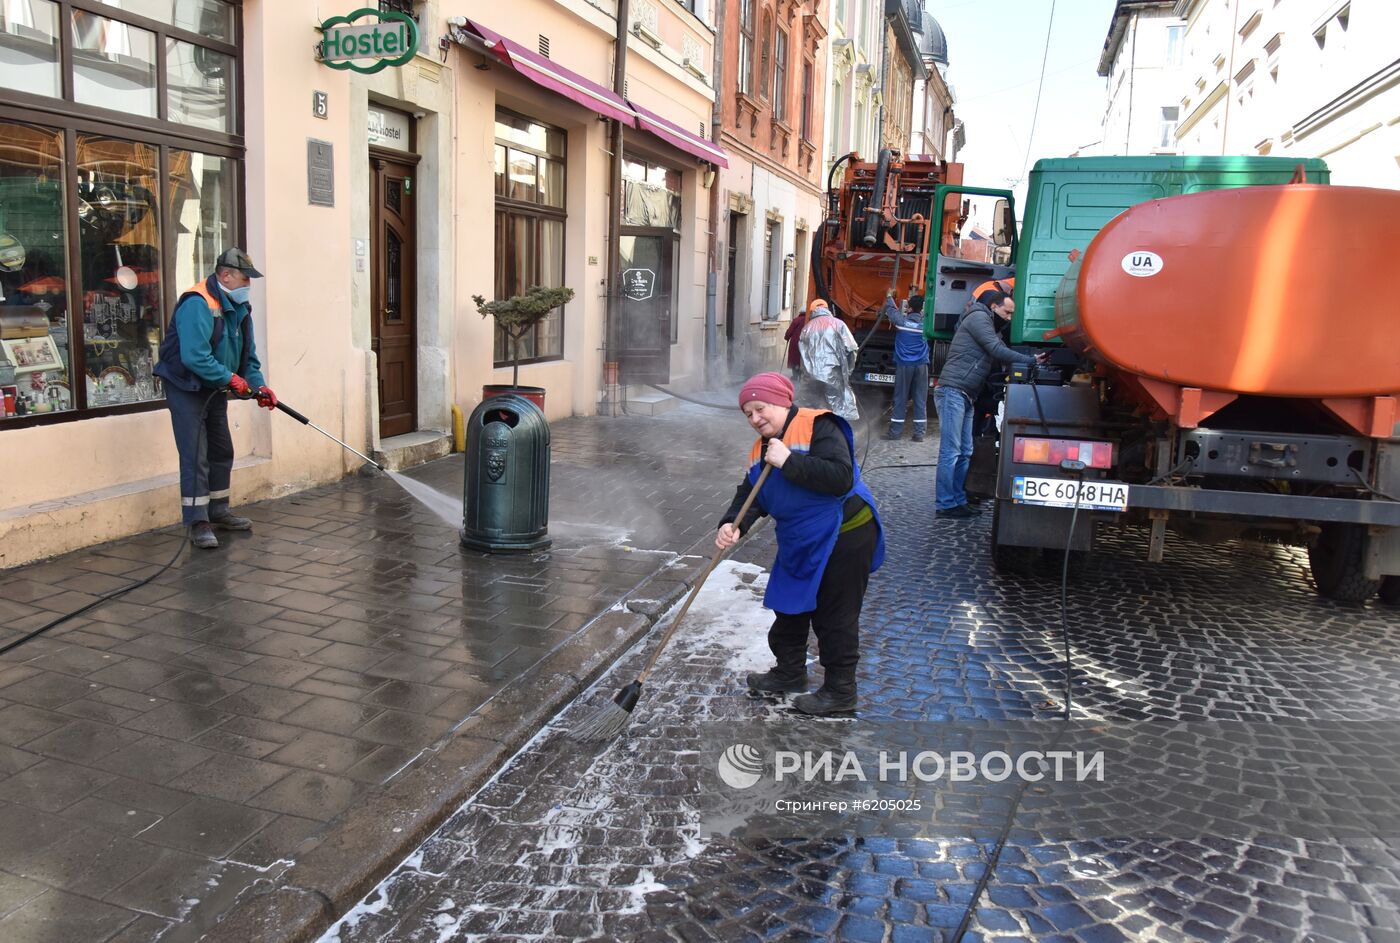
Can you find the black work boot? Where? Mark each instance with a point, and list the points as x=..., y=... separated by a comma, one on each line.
x=226, y=520
x=202, y=536
x=779, y=680
x=837, y=695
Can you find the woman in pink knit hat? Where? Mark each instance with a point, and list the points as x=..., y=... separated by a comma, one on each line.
x=829, y=541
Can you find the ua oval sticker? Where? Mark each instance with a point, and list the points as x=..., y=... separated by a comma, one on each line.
x=1142, y=263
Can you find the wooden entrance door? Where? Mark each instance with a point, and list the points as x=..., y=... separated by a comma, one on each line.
x=394, y=292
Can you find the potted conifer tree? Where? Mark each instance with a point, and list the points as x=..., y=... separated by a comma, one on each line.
x=516, y=316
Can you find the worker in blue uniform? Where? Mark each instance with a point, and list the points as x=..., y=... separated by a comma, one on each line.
x=208, y=350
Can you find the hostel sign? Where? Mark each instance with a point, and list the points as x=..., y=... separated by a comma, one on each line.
x=368, y=40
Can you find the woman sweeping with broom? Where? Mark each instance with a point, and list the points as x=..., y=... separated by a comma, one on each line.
x=829, y=541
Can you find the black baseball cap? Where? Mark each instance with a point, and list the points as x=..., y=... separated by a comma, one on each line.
x=234, y=257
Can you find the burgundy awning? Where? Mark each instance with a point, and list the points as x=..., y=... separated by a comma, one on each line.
x=678, y=137
x=553, y=76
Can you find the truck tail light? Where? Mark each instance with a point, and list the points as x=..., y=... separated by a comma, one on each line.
x=1032, y=450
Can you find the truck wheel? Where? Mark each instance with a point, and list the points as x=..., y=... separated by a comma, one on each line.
x=1008, y=559
x=1337, y=565
x=1390, y=590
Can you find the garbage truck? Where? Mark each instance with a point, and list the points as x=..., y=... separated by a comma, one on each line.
x=1225, y=363
x=884, y=222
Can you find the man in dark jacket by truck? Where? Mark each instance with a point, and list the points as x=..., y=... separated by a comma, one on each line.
x=975, y=348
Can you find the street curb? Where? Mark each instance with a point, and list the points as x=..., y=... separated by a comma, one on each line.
x=363, y=845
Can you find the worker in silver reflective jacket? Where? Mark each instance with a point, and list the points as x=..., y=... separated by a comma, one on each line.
x=828, y=357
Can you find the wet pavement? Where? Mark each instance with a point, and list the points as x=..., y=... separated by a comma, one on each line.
x=622, y=841
x=220, y=728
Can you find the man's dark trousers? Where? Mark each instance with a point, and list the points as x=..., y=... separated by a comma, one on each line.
x=836, y=620
x=910, y=385
x=202, y=438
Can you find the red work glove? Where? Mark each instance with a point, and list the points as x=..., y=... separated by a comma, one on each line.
x=238, y=385
x=266, y=398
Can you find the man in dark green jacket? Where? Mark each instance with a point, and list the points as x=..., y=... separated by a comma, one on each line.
x=208, y=350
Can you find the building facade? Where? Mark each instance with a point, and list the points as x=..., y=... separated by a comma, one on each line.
x=1142, y=63
x=902, y=69
x=932, y=108
x=853, y=93
x=138, y=142
x=1307, y=78
x=768, y=202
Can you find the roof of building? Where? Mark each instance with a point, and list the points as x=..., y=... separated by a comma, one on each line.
x=932, y=43
x=1118, y=27
x=897, y=14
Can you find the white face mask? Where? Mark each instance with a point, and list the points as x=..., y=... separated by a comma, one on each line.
x=239, y=295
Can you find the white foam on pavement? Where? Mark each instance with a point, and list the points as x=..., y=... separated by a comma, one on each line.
x=727, y=623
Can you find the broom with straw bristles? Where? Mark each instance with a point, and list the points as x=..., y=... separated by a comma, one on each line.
x=608, y=721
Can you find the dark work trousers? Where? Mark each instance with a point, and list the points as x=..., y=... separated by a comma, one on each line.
x=910, y=386
x=836, y=620
x=200, y=421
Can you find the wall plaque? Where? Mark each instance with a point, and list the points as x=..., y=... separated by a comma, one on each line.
x=320, y=173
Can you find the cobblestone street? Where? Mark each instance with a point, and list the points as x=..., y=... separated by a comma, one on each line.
x=581, y=841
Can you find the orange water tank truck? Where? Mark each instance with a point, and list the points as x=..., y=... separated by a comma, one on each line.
x=1224, y=336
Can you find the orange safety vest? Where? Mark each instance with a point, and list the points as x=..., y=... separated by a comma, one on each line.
x=1005, y=285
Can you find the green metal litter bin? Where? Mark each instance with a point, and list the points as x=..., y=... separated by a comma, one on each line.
x=505, y=505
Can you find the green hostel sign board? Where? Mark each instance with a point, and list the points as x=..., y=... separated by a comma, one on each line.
x=368, y=40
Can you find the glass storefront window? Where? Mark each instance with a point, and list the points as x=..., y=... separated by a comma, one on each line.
x=198, y=86
x=119, y=247
x=86, y=217
x=34, y=337
x=203, y=200
x=530, y=199
x=29, y=54
x=114, y=65
x=651, y=195
x=212, y=18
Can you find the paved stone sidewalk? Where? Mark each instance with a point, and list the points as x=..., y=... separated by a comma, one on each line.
x=608, y=842
x=278, y=700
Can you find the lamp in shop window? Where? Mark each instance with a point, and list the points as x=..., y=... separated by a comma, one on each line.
x=125, y=275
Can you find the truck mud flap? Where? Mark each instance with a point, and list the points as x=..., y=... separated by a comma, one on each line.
x=1026, y=525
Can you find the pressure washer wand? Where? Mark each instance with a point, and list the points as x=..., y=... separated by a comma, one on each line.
x=307, y=422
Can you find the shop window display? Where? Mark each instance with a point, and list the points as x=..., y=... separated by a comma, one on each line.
x=119, y=248
x=34, y=330
x=105, y=221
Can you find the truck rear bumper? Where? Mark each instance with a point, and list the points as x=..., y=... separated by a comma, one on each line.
x=1379, y=512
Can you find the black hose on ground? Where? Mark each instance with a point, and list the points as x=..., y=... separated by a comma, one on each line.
x=1000, y=846
x=108, y=597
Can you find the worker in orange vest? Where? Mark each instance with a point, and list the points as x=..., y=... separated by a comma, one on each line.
x=1004, y=285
